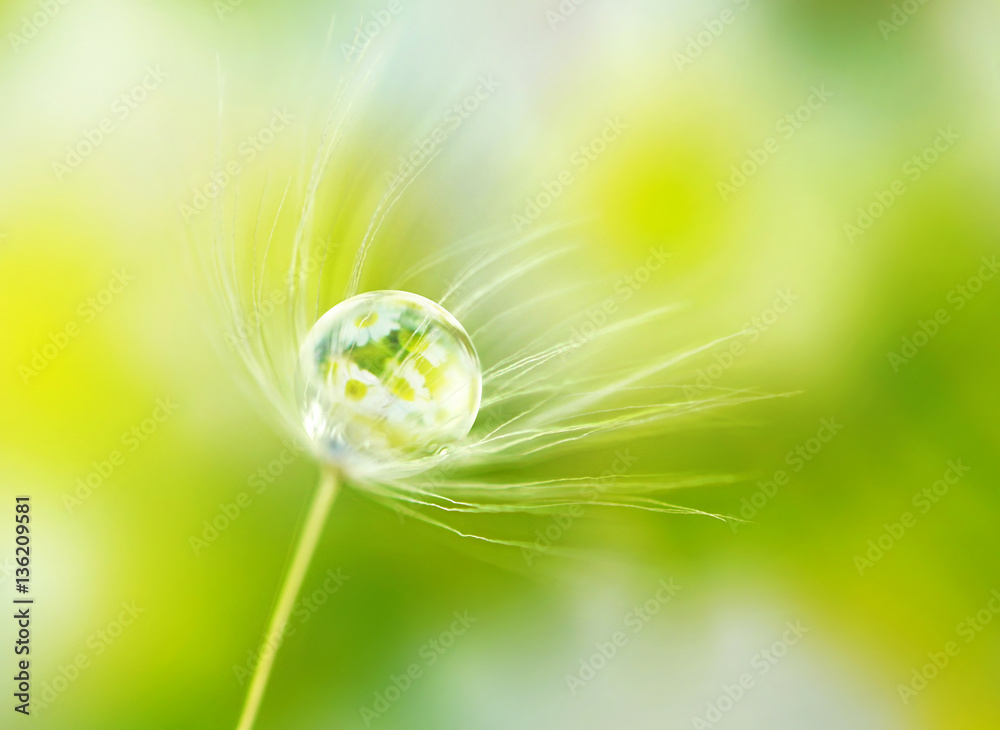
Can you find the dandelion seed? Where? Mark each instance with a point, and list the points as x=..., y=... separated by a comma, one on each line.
x=386, y=389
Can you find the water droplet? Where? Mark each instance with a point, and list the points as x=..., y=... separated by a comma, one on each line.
x=388, y=379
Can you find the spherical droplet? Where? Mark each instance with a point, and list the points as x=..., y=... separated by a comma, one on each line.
x=388, y=379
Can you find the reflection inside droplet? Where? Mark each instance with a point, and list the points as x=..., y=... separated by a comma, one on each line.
x=388, y=379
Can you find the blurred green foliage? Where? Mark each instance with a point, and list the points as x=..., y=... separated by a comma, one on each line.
x=860, y=300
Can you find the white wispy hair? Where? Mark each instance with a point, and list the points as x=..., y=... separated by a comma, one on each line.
x=550, y=393
x=547, y=391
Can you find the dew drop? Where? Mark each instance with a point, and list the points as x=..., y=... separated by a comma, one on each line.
x=388, y=379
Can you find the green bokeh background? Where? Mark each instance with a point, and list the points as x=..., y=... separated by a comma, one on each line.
x=61, y=241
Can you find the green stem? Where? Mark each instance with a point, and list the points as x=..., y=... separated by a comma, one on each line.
x=325, y=494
